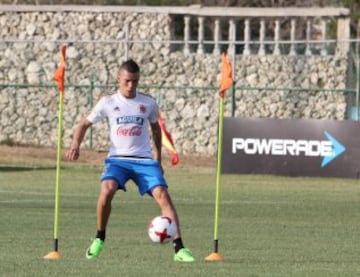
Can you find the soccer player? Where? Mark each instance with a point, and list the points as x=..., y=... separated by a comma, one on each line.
x=129, y=114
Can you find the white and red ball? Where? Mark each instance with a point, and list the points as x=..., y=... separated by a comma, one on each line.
x=162, y=229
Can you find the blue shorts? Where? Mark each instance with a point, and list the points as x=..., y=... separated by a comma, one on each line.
x=146, y=174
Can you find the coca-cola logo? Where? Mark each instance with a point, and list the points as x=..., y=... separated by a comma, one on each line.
x=132, y=132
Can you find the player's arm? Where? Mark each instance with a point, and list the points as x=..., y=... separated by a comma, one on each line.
x=156, y=135
x=79, y=134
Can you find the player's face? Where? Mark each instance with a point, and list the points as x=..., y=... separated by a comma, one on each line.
x=128, y=83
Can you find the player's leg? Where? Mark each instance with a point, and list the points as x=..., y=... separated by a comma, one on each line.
x=166, y=206
x=114, y=177
x=163, y=199
x=149, y=178
x=108, y=189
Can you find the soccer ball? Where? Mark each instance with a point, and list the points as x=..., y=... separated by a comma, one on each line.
x=162, y=229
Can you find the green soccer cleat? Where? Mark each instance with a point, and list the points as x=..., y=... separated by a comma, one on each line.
x=95, y=248
x=184, y=255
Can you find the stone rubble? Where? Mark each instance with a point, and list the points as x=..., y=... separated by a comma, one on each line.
x=184, y=85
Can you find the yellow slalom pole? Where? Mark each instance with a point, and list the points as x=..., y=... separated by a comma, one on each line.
x=216, y=256
x=54, y=255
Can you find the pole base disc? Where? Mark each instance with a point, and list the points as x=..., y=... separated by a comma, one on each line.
x=215, y=256
x=54, y=255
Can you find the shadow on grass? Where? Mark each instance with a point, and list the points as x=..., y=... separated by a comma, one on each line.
x=24, y=168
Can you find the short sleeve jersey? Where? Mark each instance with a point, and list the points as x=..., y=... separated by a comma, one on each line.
x=128, y=120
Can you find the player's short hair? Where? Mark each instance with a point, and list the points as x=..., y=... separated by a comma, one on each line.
x=130, y=66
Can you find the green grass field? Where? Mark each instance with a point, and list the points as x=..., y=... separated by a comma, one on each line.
x=269, y=226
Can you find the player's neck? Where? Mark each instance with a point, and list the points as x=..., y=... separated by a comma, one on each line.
x=127, y=94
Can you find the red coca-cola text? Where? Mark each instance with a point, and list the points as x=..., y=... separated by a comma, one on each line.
x=132, y=132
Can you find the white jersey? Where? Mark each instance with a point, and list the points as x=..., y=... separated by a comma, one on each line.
x=128, y=120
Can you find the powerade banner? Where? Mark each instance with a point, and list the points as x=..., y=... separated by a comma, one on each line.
x=291, y=147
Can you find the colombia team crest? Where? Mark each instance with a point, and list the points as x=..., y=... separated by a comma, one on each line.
x=142, y=108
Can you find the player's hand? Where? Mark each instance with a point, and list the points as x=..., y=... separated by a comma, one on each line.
x=73, y=154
